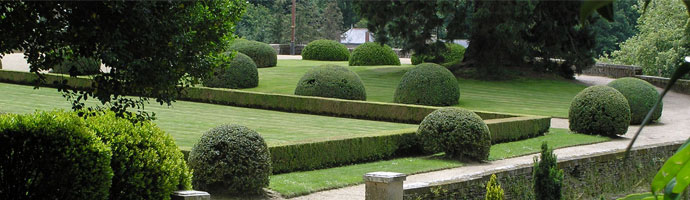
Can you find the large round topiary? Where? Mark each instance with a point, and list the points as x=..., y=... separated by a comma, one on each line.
x=328, y=50
x=52, y=155
x=79, y=66
x=262, y=54
x=373, y=54
x=599, y=110
x=428, y=84
x=452, y=55
x=241, y=72
x=458, y=132
x=230, y=159
x=146, y=161
x=331, y=81
x=641, y=97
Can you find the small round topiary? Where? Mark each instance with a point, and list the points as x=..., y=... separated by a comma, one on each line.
x=641, y=97
x=599, y=110
x=328, y=50
x=239, y=73
x=52, y=155
x=331, y=81
x=80, y=66
x=373, y=54
x=262, y=54
x=453, y=55
x=230, y=159
x=146, y=161
x=428, y=84
x=458, y=132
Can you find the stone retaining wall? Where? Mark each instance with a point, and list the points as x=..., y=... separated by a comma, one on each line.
x=681, y=86
x=613, y=71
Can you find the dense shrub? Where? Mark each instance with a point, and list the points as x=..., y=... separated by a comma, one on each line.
x=262, y=54
x=428, y=84
x=331, y=81
x=548, y=179
x=458, y=132
x=599, y=110
x=493, y=189
x=51, y=155
x=146, y=162
x=325, y=50
x=240, y=72
x=641, y=97
x=80, y=66
x=373, y=54
x=452, y=55
x=230, y=159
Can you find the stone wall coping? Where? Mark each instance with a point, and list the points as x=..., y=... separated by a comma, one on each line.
x=384, y=177
x=184, y=193
x=618, y=66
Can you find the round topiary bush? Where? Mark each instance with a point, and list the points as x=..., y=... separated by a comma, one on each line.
x=146, y=161
x=373, y=54
x=52, y=155
x=328, y=50
x=230, y=159
x=641, y=97
x=452, y=55
x=599, y=110
x=80, y=66
x=428, y=84
x=240, y=72
x=331, y=81
x=262, y=54
x=458, y=132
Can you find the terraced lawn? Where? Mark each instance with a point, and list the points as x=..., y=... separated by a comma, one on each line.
x=532, y=96
x=186, y=121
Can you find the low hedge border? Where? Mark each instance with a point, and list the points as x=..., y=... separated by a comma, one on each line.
x=51, y=80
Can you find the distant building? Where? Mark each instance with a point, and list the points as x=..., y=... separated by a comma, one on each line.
x=356, y=36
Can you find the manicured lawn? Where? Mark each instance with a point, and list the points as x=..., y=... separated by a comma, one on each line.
x=186, y=121
x=301, y=183
x=531, y=96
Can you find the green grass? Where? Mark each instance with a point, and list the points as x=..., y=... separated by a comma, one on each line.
x=301, y=183
x=533, y=96
x=186, y=121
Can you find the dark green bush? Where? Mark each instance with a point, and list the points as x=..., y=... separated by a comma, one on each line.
x=328, y=50
x=428, y=84
x=146, y=161
x=52, y=155
x=371, y=53
x=230, y=159
x=458, y=132
x=240, y=72
x=331, y=81
x=262, y=54
x=641, y=97
x=453, y=55
x=80, y=66
x=548, y=179
x=599, y=110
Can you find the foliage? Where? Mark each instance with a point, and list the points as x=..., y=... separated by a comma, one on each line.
x=256, y=24
x=240, y=72
x=452, y=56
x=641, y=96
x=332, y=27
x=493, y=189
x=458, y=132
x=230, y=159
x=146, y=162
x=599, y=110
x=428, y=84
x=51, y=155
x=78, y=66
x=331, y=81
x=154, y=48
x=262, y=54
x=610, y=34
x=548, y=179
x=328, y=50
x=373, y=54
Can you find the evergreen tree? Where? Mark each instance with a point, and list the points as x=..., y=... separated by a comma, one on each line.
x=333, y=22
x=548, y=179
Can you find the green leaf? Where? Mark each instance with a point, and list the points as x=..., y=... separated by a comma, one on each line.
x=668, y=194
x=589, y=6
x=606, y=12
x=687, y=5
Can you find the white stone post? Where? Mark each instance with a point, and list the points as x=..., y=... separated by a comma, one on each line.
x=190, y=195
x=384, y=185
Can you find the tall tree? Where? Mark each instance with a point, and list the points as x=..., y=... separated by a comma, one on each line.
x=253, y=25
x=308, y=22
x=333, y=22
x=609, y=35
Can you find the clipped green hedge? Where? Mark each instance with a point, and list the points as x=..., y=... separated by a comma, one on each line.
x=458, y=132
x=641, y=97
x=240, y=72
x=452, y=55
x=599, y=110
x=327, y=50
x=262, y=54
x=331, y=81
x=428, y=84
x=52, y=155
x=78, y=66
x=371, y=53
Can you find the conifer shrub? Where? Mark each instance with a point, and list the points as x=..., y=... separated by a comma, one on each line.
x=261, y=53
x=331, y=81
x=641, y=97
x=458, y=132
x=428, y=84
x=371, y=53
x=327, y=50
x=599, y=110
x=493, y=189
x=548, y=179
x=239, y=73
